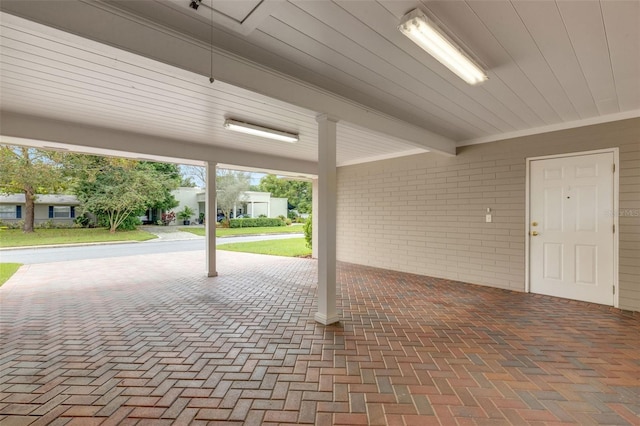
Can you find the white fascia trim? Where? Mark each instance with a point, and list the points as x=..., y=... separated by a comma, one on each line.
x=382, y=157
x=553, y=127
x=36, y=131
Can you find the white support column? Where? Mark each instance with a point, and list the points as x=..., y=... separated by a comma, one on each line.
x=211, y=216
x=326, y=213
x=314, y=223
x=252, y=210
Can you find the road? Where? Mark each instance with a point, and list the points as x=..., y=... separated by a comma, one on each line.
x=62, y=254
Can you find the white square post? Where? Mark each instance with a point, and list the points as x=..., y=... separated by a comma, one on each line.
x=314, y=221
x=211, y=217
x=326, y=213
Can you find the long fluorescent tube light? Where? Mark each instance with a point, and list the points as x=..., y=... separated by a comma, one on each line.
x=265, y=132
x=426, y=34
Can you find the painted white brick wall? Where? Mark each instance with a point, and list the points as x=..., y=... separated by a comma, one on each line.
x=425, y=214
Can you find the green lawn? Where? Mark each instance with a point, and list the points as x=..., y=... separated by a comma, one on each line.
x=7, y=270
x=290, y=247
x=16, y=238
x=228, y=232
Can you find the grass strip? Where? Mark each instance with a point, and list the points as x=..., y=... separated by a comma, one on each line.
x=7, y=270
x=289, y=247
x=43, y=237
x=230, y=232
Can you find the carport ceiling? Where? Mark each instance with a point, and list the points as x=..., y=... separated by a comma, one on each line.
x=48, y=73
x=550, y=65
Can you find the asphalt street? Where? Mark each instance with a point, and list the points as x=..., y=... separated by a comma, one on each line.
x=62, y=254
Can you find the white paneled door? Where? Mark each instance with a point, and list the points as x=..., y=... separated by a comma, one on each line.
x=571, y=227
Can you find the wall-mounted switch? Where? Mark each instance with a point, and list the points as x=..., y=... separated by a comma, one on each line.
x=487, y=218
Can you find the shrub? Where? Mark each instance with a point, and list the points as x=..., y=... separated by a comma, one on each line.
x=168, y=217
x=287, y=221
x=12, y=225
x=308, y=232
x=255, y=222
x=82, y=221
x=51, y=224
x=46, y=225
x=131, y=223
x=186, y=213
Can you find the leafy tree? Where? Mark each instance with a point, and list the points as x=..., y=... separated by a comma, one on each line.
x=119, y=188
x=297, y=193
x=187, y=182
x=30, y=171
x=170, y=174
x=230, y=186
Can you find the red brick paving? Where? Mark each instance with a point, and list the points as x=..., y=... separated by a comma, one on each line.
x=150, y=340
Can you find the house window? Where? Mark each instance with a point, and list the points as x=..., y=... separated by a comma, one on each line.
x=61, y=212
x=8, y=212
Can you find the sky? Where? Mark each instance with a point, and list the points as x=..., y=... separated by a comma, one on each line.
x=254, y=178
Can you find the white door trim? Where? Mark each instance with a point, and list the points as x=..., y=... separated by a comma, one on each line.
x=616, y=196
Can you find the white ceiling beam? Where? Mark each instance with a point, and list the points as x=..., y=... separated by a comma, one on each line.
x=101, y=22
x=44, y=132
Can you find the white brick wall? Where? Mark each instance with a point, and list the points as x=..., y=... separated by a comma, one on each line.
x=425, y=214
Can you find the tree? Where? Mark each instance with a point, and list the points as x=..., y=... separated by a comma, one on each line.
x=194, y=176
x=29, y=171
x=230, y=186
x=118, y=188
x=297, y=193
x=172, y=178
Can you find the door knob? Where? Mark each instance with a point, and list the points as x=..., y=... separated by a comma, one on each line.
x=533, y=233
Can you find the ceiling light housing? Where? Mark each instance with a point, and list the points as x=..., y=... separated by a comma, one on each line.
x=265, y=132
x=426, y=34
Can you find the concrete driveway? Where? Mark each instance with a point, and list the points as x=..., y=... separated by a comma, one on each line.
x=169, y=240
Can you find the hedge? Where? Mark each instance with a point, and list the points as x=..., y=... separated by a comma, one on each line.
x=256, y=222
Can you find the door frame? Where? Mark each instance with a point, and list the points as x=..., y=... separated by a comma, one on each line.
x=616, y=196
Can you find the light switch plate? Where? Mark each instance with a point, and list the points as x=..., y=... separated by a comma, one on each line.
x=488, y=218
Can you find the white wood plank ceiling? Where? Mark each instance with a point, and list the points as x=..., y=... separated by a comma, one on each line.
x=71, y=79
x=550, y=64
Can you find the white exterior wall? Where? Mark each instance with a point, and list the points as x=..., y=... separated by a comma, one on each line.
x=187, y=197
x=262, y=202
x=425, y=214
x=257, y=209
x=279, y=207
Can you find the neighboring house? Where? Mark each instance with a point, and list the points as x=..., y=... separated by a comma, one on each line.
x=252, y=204
x=61, y=208
x=188, y=196
x=58, y=208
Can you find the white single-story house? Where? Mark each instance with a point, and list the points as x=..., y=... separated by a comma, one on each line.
x=57, y=208
x=251, y=203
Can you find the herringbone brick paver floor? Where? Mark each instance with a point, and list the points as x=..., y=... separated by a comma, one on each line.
x=150, y=340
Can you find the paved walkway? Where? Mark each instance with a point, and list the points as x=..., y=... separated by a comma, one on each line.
x=170, y=233
x=148, y=340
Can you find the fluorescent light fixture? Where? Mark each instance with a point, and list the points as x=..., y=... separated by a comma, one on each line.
x=265, y=132
x=426, y=34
